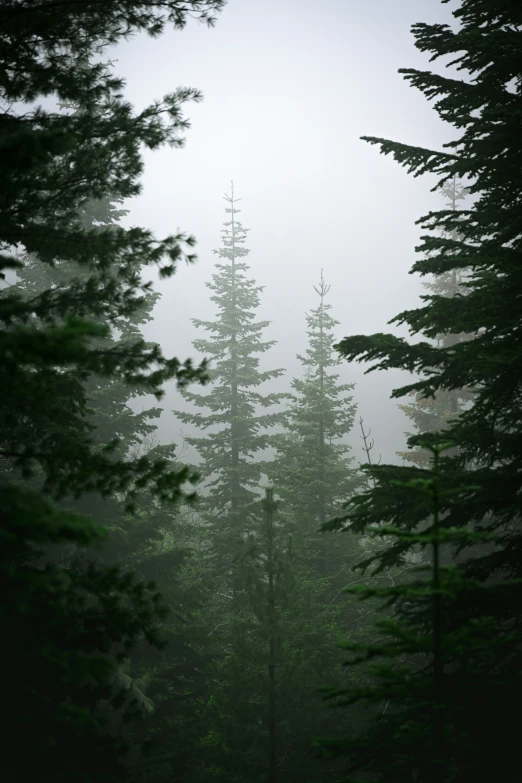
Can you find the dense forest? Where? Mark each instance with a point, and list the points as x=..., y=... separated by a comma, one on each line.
x=258, y=606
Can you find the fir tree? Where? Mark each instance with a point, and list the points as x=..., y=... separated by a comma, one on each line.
x=148, y=677
x=239, y=432
x=313, y=469
x=256, y=662
x=480, y=483
x=279, y=641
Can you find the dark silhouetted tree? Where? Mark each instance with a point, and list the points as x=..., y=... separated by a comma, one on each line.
x=69, y=624
x=476, y=662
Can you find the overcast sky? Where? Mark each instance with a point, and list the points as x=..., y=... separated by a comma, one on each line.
x=289, y=87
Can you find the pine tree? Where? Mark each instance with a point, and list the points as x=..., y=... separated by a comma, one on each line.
x=254, y=667
x=480, y=482
x=136, y=540
x=239, y=432
x=279, y=640
x=313, y=475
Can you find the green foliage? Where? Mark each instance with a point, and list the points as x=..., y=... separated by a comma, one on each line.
x=280, y=622
x=478, y=505
x=66, y=625
x=70, y=622
x=237, y=431
x=431, y=414
x=312, y=467
x=438, y=680
x=277, y=642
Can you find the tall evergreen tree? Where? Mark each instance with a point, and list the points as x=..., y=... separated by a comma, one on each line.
x=312, y=466
x=108, y=416
x=312, y=471
x=474, y=638
x=69, y=624
x=238, y=431
x=141, y=540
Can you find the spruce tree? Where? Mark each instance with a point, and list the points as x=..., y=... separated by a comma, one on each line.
x=238, y=427
x=254, y=668
x=479, y=484
x=279, y=641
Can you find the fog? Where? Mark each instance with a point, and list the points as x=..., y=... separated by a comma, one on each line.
x=289, y=87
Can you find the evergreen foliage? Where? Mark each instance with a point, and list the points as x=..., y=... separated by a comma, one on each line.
x=431, y=675
x=281, y=623
x=255, y=656
x=68, y=626
x=70, y=623
x=432, y=414
x=480, y=481
x=312, y=466
x=277, y=641
x=238, y=429
x=179, y=678
x=108, y=417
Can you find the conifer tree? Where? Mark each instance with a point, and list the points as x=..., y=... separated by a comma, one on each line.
x=238, y=429
x=255, y=666
x=279, y=641
x=432, y=414
x=312, y=470
x=424, y=671
x=312, y=465
x=479, y=485
x=70, y=624
x=108, y=416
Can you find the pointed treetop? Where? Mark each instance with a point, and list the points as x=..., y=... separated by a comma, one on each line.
x=323, y=288
x=231, y=198
x=455, y=191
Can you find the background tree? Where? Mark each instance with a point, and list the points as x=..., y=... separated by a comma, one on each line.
x=431, y=414
x=479, y=614
x=156, y=680
x=238, y=430
x=312, y=470
x=237, y=744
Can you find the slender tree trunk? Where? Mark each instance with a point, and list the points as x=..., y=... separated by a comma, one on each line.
x=438, y=766
x=272, y=765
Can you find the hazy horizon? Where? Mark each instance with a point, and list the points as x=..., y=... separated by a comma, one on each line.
x=289, y=88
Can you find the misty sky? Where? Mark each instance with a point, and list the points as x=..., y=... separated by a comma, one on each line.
x=289, y=87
